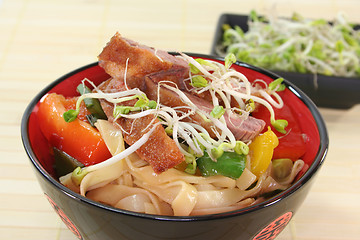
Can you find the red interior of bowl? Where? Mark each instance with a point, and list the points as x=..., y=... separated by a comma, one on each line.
x=96, y=74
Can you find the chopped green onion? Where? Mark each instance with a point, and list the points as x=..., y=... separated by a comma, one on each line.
x=254, y=16
x=217, y=112
x=241, y=148
x=142, y=102
x=152, y=104
x=169, y=130
x=217, y=152
x=239, y=30
x=319, y=22
x=70, y=115
x=193, y=69
x=339, y=46
x=91, y=104
x=317, y=50
x=77, y=175
x=250, y=105
x=277, y=85
x=122, y=110
x=229, y=60
x=204, y=62
x=297, y=17
x=191, y=165
x=198, y=81
x=280, y=125
x=351, y=40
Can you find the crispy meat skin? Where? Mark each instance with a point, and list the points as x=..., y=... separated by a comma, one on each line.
x=160, y=151
x=142, y=61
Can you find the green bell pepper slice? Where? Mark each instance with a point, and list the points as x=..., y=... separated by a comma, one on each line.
x=230, y=164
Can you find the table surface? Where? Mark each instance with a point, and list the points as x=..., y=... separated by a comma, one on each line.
x=42, y=40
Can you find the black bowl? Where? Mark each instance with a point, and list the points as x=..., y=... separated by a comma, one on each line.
x=88, y=219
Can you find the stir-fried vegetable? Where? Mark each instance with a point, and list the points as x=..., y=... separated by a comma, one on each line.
x=64, y=163
x=261, y=151
x=78, y=138
x=292, y=144
x=78, y=174
x=230, y=164
x=92, y=104
x=296, y=45
x=282, y=167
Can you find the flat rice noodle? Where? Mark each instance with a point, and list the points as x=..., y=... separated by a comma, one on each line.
x=180, y=195
x=112, y=136
x=111, y=194
x=219, y=198
x=244, y=203
x=101, y=177
x=146, y=174
x=246, y=179
x=135, y=203
x=67, y=181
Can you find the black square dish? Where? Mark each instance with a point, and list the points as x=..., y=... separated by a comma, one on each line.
x=328, y=91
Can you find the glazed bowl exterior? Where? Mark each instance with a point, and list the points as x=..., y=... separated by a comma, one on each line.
x=91, y=220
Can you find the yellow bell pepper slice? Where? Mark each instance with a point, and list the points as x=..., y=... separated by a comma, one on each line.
x=261, y=151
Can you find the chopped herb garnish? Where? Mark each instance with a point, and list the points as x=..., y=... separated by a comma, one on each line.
x=217, y=112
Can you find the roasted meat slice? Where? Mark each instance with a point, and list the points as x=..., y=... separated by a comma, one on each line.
x=242, y=128
x=122, y=56
x=160, y=151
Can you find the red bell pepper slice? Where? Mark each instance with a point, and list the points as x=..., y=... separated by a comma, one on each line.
x=292, y=144
x=76, y=138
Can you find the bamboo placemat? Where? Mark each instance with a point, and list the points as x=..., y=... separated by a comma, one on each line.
x=42, y=40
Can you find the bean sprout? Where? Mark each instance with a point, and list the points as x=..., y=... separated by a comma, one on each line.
x=296, y=45
x=223, y=84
